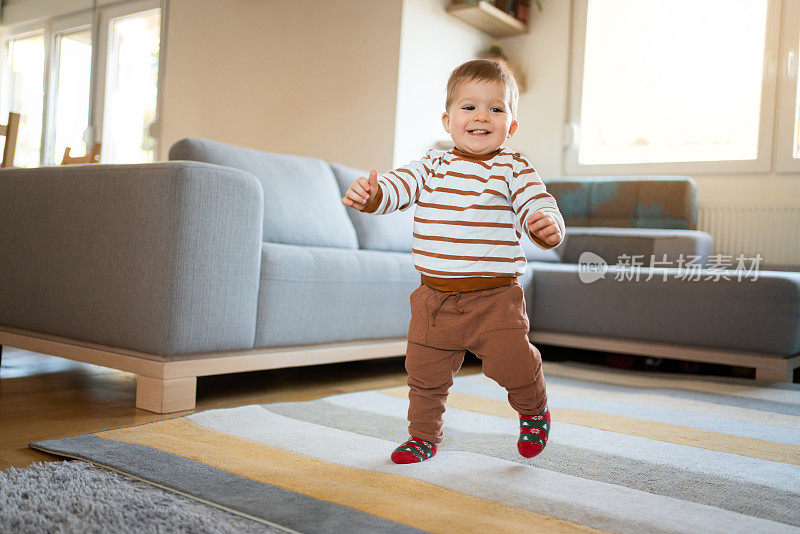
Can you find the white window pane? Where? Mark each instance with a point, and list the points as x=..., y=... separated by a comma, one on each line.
x=26, y=96
x=672, y=81
x=132, y=88
x=73, y=92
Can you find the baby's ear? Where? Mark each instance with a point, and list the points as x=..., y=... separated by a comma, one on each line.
x=446, y=122
x=513, y=128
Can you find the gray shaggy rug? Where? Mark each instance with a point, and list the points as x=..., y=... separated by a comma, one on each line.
x=76, y=496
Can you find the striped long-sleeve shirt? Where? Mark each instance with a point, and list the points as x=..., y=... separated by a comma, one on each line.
x=470, y=211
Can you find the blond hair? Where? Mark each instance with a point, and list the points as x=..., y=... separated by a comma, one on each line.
x=483, y=70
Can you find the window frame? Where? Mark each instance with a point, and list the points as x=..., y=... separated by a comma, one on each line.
x=763, y=161
x=785, y=162
x=65, y=23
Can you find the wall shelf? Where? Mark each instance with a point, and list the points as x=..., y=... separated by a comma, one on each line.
x=488, y=18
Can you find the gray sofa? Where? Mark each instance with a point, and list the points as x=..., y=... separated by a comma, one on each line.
x=227, y=259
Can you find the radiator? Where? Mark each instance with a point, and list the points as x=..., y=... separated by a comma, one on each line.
x=771, y=229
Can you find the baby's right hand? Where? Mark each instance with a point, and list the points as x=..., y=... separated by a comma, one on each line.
x=361, y=191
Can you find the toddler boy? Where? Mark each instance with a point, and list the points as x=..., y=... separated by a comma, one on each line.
x=474, y=202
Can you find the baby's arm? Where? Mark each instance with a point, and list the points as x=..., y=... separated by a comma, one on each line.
x=537, y=213
x=397, y=189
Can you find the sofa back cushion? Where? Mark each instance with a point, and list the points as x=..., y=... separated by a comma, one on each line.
x=534, y=253
x=376, y=232
x=302, y=204
x=627, y=202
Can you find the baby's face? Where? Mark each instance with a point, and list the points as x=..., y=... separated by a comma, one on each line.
x=479, y=119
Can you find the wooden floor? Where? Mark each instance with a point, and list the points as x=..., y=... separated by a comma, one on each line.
x=45, y=397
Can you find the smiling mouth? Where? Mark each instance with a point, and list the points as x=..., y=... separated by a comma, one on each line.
x=479, y=132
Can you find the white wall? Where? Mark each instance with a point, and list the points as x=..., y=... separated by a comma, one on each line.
x=432, y=44
x=311, y=77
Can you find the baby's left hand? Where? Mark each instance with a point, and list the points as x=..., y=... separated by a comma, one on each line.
x=544, y=227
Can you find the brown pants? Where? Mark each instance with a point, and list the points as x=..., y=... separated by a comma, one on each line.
x=490, y=323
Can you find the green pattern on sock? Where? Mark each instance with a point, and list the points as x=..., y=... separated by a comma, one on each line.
x=423, y=445
x=408, y=447
x=412, y=450
x=542, y=425
x=535, y=424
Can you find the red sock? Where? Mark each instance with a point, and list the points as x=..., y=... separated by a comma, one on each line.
x=533, y=430
x=412, y=451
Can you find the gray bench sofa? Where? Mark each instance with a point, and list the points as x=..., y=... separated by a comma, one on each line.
x=227, y=259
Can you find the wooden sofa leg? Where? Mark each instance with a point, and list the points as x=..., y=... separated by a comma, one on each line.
x=784, y=373
x=165, y=396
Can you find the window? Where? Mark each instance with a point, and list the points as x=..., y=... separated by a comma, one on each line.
x=48, y=70
x=72, y=92
x=25, y=89
x=131, y=87
x=679, y=86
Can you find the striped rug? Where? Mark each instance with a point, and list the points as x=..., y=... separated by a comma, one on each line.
x=628, y=452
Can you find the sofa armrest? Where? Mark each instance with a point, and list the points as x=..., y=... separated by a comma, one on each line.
x=612, y=243
x=162, y=258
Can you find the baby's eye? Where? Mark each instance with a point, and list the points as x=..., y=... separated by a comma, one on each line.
x=500, y=110
x=468, y=107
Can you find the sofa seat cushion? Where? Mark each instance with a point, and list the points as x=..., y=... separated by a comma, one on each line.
x=758, y=316
x=320, y=294
x=302, y=205
x=376, y=232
